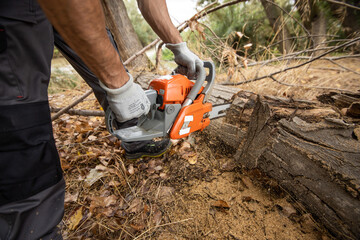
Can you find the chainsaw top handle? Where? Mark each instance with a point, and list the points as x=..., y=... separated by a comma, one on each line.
x=201, y=78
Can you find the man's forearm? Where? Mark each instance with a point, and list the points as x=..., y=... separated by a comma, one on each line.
x=156, y=14
x=82, y=25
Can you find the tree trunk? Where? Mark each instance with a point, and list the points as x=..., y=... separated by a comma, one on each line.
x=318, y=29
x=306, y=147
x=278, y=25
x=314, y=20
x=318, y=163
x=117, y=20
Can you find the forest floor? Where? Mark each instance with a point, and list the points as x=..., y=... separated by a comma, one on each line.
x=194, y=191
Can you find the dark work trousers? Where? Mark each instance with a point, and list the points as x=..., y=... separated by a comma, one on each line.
x=31, y=182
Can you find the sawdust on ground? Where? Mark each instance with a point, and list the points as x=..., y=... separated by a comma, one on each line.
x=194, y=191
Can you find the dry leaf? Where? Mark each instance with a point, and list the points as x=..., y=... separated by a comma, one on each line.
x=137, y=227
x=240, y=34
x=71, y=197
x=110, y=200
x=247, y=46
x=75, y=219
x=192, y=160
x=92, y=138
x=165, y=194
x=247, y=199
x=131, y=169
x=157, y=217
x=135, y=206
x=221, y=204
x=158, y=168
x=103, y=202
x=357, y=133
x=93, y=176
x=114, y=183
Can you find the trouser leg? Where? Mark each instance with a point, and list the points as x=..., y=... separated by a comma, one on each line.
x=35, y=217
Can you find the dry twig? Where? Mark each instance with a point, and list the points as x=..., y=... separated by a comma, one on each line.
x=344, y=4
x=349, y=43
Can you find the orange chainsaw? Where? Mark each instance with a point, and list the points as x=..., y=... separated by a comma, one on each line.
x=178, y=107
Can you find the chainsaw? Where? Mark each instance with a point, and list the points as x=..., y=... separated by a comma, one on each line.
x=178, y=107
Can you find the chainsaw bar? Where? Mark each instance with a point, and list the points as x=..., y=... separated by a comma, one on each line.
x=219, y=110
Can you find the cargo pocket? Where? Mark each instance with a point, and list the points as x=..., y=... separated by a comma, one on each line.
x=9, y=85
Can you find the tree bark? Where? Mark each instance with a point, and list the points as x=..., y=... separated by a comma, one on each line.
x=306, y=147
x=318, y=29
x=314, y=20
x=278, y=25
x=117, y=20
x=317, y=163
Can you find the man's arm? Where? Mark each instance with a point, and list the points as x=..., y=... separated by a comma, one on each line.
x=156, y=14
x=82, y=24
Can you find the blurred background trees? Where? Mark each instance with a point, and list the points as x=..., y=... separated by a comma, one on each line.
x=272, y=27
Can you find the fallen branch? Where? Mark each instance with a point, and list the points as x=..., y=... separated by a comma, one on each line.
x=65, y=109
x=343, y=67
x=344, y=4
x=306, y=86
x=80, y=112
x=349, y=43
x=300, y=58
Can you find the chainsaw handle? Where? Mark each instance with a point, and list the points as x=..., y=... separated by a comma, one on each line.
x=201, y=77
x=209, y=78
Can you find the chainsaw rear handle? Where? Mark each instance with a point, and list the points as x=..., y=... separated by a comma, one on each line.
x=201, y=78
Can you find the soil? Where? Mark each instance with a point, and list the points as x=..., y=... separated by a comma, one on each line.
x=194, y=191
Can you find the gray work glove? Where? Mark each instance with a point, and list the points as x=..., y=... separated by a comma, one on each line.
x=127, y=102
x=184, y=58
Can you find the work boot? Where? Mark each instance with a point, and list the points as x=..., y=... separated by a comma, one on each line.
x=149, y=148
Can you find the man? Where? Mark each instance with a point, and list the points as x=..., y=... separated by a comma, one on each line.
x=31, y=182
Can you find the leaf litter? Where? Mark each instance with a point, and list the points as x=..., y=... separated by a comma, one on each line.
x=192, y=192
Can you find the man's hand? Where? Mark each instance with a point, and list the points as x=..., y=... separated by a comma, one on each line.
x=156, y=14
x=127, y=102
x=185, y=58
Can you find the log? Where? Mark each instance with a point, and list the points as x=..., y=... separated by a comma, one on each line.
x=305, y=146
x=80, y=112
x=317, y=162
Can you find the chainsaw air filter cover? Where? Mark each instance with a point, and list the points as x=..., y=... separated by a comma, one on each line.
x=173, y=89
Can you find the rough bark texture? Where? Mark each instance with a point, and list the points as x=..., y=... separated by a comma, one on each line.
x=318, y=28
x=314, y=20
x=117, y=20
x=317, y=162
x=305, y=146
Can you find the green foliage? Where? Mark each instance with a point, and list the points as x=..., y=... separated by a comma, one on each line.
x=56, y=53
x=167, y=55
x=248, y=18
x=142, y=28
